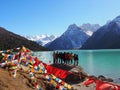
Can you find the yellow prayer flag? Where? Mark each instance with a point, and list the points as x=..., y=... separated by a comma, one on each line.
x=69, y=87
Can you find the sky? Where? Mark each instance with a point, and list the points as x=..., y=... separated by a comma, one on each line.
x=52, y=17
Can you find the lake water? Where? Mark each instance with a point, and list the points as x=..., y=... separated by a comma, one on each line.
x=94, y=62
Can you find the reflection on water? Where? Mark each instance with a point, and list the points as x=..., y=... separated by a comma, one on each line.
x=90, y=64
x=44, y=56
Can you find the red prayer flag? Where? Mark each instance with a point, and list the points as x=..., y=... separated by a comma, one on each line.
x=89, y=81
x=49, y=69
x=64, y=74
x=100, y=85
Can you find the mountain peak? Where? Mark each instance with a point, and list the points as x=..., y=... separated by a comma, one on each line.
x=41, y=39
x=117, y=19
x=90, y=27
x=106, y=37
x=73, y=37
x=72, y=27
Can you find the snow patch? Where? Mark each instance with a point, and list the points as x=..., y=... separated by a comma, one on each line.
x=41, y=39
x=89, y=33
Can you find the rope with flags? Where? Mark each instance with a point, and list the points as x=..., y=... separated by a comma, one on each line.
x=24, y=60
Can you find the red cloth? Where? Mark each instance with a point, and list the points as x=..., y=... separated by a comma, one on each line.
x=64, y=74
x=116, y=87
x=57, y=72
x=89, y=81
x=101, y=85
x=54, y=70
x=45, y=65
x=49, y=69
x=37, y=62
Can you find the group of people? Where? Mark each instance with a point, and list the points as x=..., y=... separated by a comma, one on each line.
x=65, y=58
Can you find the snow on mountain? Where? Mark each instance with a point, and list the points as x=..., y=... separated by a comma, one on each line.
x=89, y=33
x=42, y=39
x=72, y=38
x=75, y=35
x=89, y=28
x=106, y=37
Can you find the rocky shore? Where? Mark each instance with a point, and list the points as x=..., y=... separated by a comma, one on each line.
x=23, y=81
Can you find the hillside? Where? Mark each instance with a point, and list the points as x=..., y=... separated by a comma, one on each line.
x=10, y=40
x=22, y=81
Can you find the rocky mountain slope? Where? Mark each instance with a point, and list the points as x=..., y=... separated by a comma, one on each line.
x=107, y=37
x=90, y=28
x=72, y=38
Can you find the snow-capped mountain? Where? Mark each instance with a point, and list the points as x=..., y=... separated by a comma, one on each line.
x=90, y=28
x=74, y=35
x=42, y=39
x=72, y=38
x=106, y=37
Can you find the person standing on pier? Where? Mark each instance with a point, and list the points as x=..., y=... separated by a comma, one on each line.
x=75, y=59
x=71, y=56
x=54, y=57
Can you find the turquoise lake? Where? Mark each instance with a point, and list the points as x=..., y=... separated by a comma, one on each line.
x=94, y=62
